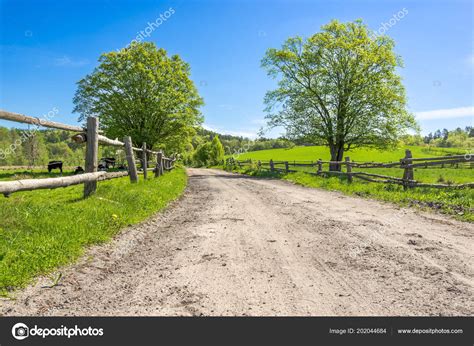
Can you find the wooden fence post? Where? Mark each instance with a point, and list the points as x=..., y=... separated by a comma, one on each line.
x=144, y=162
x=92, y=150
x=286, y=166
x=159, y=156
x=408, y=174
x=162, y=163
x=259, y=165
x=132, y=168
x=272, y=166
x=349, y=169
x=320, y=167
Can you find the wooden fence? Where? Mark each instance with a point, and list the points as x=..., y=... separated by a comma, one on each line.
x=408, y=163
x=91, y=135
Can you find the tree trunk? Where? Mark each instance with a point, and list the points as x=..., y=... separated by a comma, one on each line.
x=337, y=153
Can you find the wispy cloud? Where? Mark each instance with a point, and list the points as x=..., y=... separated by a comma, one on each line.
x=67, y=61
x=244, y=133
x=460, y=112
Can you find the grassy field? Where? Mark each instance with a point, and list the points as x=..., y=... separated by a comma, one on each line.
x=44, y=229
x=362, y=154
x=427, y=175
x=459, y=203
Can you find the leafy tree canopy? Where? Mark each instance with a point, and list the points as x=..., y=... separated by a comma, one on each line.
x=141, y=92
x=340, y=88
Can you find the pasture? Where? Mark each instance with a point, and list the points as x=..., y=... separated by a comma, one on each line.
x=44, y=229
x=427, y=175
x=313, y=153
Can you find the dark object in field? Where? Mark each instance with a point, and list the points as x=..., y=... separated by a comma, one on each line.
x=102, y=167
x=79, y=170
x=55, y=165
x=108, y=162
x=122, y=167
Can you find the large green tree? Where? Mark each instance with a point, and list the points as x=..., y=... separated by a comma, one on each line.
x=340, y=88
x=141, y=92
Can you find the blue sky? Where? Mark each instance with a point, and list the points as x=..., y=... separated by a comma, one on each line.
x=47, y=46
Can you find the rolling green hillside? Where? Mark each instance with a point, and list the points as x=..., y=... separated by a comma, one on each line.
x=437, y=174
x=314, y=153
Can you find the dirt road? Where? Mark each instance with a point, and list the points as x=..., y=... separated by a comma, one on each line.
x=235, y=245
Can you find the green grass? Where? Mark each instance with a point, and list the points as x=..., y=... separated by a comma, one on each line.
x=427, y=175
x=43, y=229
x=314, y=153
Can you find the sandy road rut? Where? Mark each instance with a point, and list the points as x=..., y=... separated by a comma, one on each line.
x=235, y=245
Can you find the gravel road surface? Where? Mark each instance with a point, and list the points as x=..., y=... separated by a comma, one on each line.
x=237, y=245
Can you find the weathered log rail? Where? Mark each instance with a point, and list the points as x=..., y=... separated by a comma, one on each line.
x=408, y=163
x=92, y=137
x=80, y=137
x=8, y=187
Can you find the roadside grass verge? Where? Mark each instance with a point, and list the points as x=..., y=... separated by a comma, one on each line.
x=41, y=230
x=455, y=202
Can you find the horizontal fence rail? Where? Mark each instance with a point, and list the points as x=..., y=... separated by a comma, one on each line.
x=78, y=138
x=408, y=163
x=8, y=187
x=92, y=137
x=20, y=118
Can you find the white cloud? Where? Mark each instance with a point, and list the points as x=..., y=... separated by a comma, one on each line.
x=68, y=62
x=249, y=134
x=460, y=112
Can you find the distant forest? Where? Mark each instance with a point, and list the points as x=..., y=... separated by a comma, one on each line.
x=35, y=148
x=458, y=138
